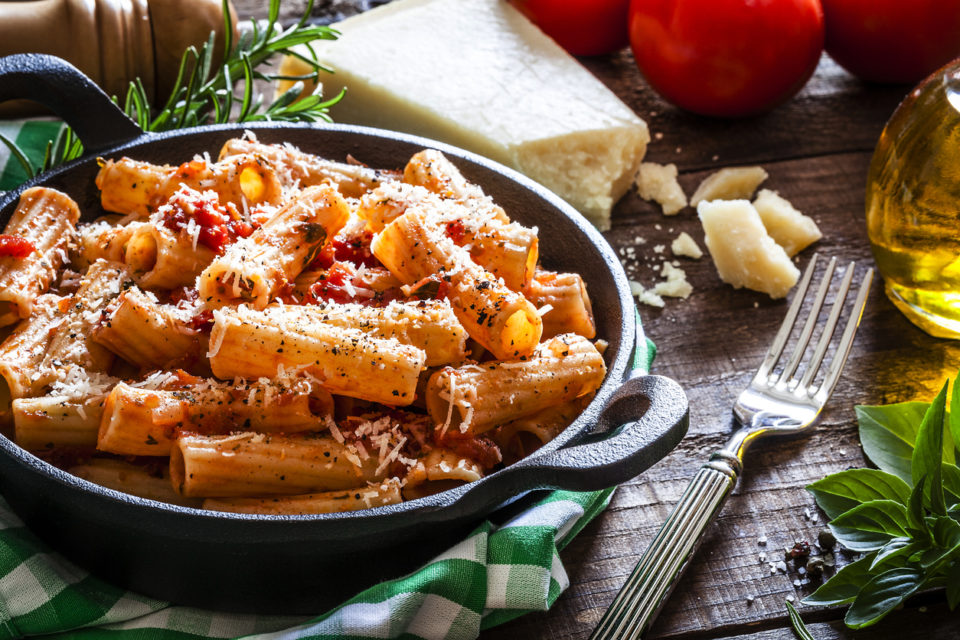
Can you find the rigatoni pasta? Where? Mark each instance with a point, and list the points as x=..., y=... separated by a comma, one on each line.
x=278, y=333
x=33, y=247
x=254, y=269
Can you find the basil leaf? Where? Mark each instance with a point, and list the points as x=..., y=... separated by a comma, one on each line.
x=928, y=453
x=946, y=535
x=916, y=516
x=871, y=525
x=840, y=492
x=887, y=434
x=844, y=586
x=953, y=587
x=881, y=595
x=797, y=623
x=896, y=548
x=954, y=418
x=950, y=473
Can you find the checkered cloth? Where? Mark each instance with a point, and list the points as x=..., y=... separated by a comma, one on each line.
x=496, y=574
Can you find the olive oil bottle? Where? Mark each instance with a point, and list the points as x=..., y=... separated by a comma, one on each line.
x=913, y=204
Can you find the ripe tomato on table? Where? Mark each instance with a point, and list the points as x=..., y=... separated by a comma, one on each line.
x=726, y=57
x=892, y=40
x=582, y=27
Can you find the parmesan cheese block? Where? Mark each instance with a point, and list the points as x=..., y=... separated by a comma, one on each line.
x=479, y=75
x=788, y=227
x=745, y=256
x=733, y=183
x=658, y=182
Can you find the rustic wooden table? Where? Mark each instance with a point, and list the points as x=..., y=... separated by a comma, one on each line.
x=816, y=148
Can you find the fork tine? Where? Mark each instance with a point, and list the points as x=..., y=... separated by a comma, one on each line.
x=846, y=342
x=794, y=360
x=780, y=340
x=829, y=328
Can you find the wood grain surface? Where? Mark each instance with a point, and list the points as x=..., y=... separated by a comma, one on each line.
x=816, y=148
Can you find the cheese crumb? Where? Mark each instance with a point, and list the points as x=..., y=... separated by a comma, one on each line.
x=744, y=254
x=732, y=183
x=646, y=296
x=684, y=245
x=675, y=285
x=788, y=227
x=658, y=182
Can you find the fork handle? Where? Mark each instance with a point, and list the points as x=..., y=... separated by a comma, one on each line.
x=647, y=588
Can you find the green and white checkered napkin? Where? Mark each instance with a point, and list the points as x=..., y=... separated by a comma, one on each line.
x=495, y=575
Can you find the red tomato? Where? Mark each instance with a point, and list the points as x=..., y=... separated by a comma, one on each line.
x=582, y=27
x=892, y=40
x=726, y=57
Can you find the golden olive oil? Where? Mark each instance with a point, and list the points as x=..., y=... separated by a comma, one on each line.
x=913, y=204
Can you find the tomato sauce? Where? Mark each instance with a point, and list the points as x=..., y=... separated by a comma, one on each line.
x=355, y=249
x=219, y=225
x=455, y=231
x=15, y=246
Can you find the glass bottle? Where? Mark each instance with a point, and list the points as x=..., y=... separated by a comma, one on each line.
x=913, y=204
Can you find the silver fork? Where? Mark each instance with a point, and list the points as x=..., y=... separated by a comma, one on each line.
x=772, y=404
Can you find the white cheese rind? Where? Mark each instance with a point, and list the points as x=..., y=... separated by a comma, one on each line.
x=732, y=183
x=479, y=75
x=745, y=256
x=786, y=225
x=658, y=182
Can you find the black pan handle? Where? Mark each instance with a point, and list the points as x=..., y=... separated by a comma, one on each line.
x=65, y=90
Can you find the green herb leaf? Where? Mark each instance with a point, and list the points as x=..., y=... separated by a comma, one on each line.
x=916, y=516
x=840, y=492
x=844, y=586
x=797, y=623
x=950, y=474
x=882, y=595
x=928, y=453
x=887, y=434
x=954, y=418
x=895, y=552
x=953, y=587
x=869, y=526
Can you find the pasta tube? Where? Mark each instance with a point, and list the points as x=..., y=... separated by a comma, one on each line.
x=146, y=421
x=149, y=482
x=434, y=171
x=160, y=258
x=521, y=437
x=143, y=332
x=103, y=240
x=476, y=398
x=251, y=344
x=568, y=308
x=254, y=269
x=138, y=188
x=44, y=226
x=251, y=464
x=296, y=167
x=506, y=249
x=24, y=349
x=53, y=421
x=429, y=325
x=71, y=343
x=367, y=497
x=439, y=470
x=500, y=319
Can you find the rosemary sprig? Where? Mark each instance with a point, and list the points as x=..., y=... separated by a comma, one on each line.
x=204, y=94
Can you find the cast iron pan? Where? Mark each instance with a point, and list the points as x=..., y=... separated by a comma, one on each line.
x=304, y=564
